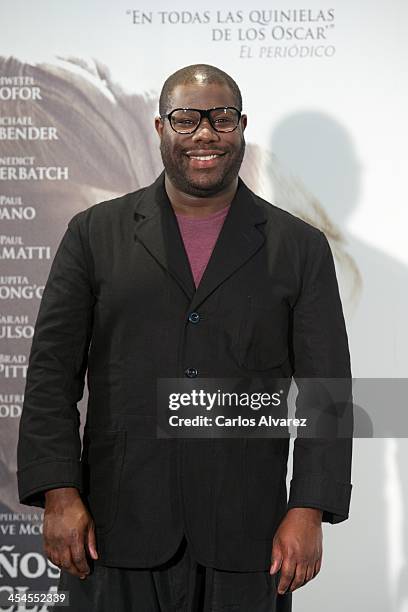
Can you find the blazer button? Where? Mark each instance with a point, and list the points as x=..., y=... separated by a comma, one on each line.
x=191, y=372
x=194, y=317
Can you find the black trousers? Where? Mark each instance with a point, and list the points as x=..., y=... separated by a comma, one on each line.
x=179, y=585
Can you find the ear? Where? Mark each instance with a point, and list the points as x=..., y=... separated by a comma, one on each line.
x=244, y=120
x=158, y=124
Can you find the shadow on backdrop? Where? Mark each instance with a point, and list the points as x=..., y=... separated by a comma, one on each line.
x=314, y=172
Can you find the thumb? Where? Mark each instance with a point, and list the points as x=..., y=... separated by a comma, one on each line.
x=91, y=541
x=276, y=559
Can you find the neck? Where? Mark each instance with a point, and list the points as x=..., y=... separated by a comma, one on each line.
x=194, y=206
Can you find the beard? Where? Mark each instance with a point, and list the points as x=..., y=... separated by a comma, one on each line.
x=204, y=182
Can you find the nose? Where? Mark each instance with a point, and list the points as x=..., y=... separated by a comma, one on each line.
x=205, y=132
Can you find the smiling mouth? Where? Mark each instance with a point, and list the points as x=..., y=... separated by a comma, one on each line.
x=204, y=157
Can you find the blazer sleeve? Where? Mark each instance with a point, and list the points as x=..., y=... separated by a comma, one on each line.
x=321, y=361
x=49, y=446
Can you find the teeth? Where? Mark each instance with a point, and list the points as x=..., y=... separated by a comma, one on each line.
x=203, y=157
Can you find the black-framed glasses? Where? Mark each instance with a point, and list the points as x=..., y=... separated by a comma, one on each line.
x=186, y=120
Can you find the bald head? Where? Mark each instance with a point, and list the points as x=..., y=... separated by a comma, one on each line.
x=197, y=74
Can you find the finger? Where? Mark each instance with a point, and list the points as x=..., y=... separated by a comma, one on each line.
x=54, y=558
x=47, y=551
x=60, y=555
x=318, y=566
x=66, y=562
x=78, y=554
x=287, y=574
x=276, y=560
x=300, y=576
x=275, y=566
x=51, y=551
x=91, y=542
x=310, y=574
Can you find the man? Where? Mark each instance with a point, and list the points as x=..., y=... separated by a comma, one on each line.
x=192, y=277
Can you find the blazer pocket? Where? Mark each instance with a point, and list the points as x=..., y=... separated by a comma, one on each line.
x=263, y=335
x=264, y=487
x=102, y=464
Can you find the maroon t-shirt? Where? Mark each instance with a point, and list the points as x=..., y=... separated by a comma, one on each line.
x=199, y=237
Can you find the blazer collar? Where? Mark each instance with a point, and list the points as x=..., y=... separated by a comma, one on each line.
x=157, y=229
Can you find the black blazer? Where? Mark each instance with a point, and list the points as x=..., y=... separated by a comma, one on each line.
x=116, y=305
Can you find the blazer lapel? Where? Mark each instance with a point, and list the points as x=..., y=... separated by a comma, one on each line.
x=239, y=240
x=157, y=229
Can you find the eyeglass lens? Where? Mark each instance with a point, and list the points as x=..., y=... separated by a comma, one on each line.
x=185, y=121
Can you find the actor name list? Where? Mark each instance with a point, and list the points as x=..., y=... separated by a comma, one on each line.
x=30, y=146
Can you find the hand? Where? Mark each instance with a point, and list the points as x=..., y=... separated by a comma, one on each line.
x=297, y=548
x=68, y=530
